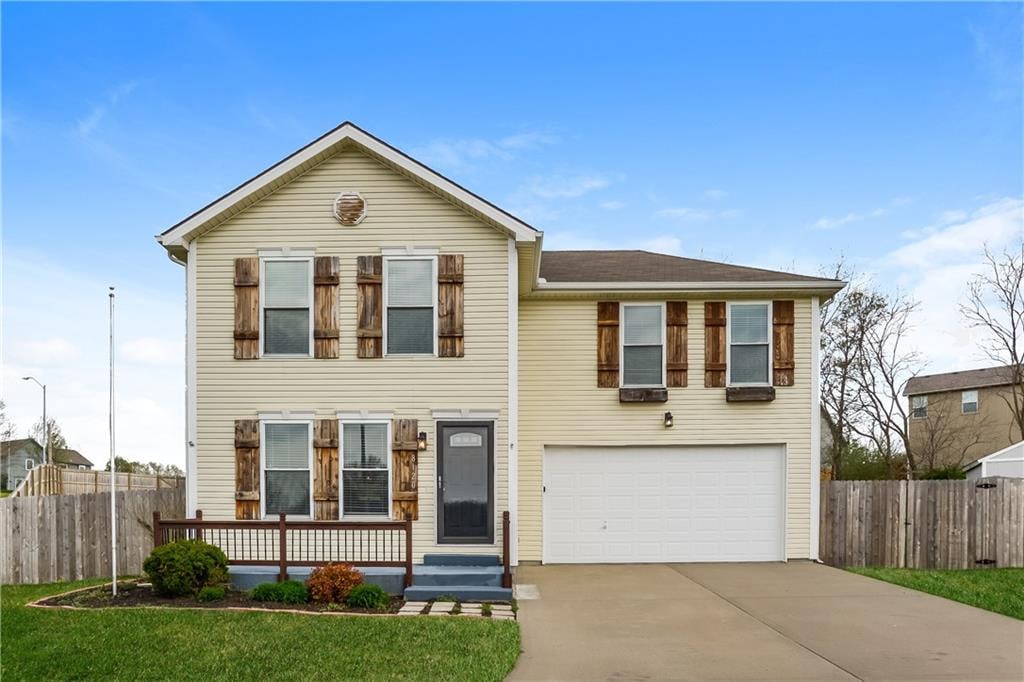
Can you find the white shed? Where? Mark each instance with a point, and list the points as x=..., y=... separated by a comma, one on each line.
x=1006, y=462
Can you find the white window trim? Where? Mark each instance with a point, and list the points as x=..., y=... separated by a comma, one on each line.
x=976, y=402
x=263, y=299
x=29, y=464
x=728, y=344
x=622, y=345
x=433, y=303
x=263, y=466
x=913, y=409
x=341, y=470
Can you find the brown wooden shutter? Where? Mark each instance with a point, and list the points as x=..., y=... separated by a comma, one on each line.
x=325, y=307
x=404, y=460
x=247, y=308
x=369, y=307
x=607, y=344
x=247, y=468
x=783, y=362
x=450, y=306
x=714, y=344
x=325, y=472
x=675, y=342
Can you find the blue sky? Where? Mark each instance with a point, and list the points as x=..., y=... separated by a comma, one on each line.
x=770, y=135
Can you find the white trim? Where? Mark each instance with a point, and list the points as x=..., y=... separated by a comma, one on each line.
x=341, y=469
x=263, y=462
x=410, y=250
x=815, y=527
x=913, y=398
x=513, y=400
x=433, y=304
x=976, y=402
x=456, y=413
x=29, y=467
x=728, y=344
x=825, y=285
x=284, y=252
x=191, y=379
x=263, y=300
x=346, y=131
x=995, y=454
x=622, y=344
x=287, y=415
x=364, y=415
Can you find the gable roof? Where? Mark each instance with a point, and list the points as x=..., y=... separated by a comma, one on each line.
x=648, y=270
x=9, y=447
x=997, y=455
x=960, y=381
x=175, y=238
x=69, y=456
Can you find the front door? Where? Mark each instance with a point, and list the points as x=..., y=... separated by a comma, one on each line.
x=465, y=482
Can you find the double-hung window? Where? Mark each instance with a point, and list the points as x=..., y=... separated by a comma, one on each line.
x=30, y=464
x=750, y=350
x=643, y=345
x=410, y=298
x=287, y=292
x=365, y=472
x=287, y=468
x=919, y=406
x=968, y=402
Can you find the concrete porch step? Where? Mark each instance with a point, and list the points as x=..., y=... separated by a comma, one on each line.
x=461, y=560
x=460, y=592
x=482, y=576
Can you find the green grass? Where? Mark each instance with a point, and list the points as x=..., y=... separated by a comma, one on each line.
x=993, y=589
x=147, y=644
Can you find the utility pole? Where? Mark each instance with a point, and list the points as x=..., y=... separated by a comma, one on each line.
x=46, y=424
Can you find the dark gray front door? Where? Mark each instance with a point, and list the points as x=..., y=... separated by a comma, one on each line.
x=465, y=482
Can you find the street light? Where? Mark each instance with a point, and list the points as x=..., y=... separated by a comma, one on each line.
x=46, y=425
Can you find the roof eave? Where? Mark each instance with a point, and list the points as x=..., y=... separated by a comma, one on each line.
x=809, y=287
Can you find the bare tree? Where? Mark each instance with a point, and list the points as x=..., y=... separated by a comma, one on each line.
x=995, y=304
x=7, y=428
x=944, y=438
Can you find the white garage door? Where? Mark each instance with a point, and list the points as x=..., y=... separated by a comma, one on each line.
x=608, y=505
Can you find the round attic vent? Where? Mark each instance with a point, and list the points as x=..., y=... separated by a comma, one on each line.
x=350, y=208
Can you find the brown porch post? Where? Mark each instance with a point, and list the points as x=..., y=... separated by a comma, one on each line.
x=506, y=559
x=408, y=550
x=282, y=551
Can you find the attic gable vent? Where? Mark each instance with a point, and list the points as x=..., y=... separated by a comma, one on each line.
x=350, y=208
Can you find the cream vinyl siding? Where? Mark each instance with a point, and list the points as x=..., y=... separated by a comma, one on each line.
x=298, y=215
x=560, y=405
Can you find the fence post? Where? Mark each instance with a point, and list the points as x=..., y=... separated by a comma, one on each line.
x=506, y=559
x=156, y=530
x=282, y=552
x=408, y=550
x=199, y=525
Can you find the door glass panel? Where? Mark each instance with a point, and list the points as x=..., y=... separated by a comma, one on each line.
x=466, y=483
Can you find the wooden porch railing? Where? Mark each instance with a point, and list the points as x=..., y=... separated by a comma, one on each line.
x=285, y=543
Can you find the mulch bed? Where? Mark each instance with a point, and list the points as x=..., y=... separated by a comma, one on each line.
x=135, y=595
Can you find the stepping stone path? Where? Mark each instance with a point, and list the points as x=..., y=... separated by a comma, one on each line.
x=445, y=608
x=412, y=608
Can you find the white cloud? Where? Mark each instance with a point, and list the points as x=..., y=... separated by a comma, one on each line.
x=715, y=194
x=48, y=352
x=611, y=205
x=86, y=126
x=152, y=351
x=688, y=214
x=832, y=222
x=565, y=187
x=464, y=152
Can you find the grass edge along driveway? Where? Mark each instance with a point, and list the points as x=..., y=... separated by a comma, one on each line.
x=1000, y=590
x=134, y=644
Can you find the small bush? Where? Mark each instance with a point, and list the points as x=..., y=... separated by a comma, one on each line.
x=211, y=593
x=330, y=584
x=485, y=609
x=445, y=598
x=287, y=592
x=949, y=473
x=368, y=596
x=184, y=567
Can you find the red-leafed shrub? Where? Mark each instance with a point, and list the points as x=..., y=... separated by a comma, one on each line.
x=330, y=584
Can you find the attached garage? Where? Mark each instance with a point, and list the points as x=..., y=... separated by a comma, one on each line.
x=673, y=504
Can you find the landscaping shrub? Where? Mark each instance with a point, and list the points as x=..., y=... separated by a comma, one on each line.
x=184, y=567
x=287, y=592
x=368, y=596
x=330, y=584
x=951, y=473
x=211, y=593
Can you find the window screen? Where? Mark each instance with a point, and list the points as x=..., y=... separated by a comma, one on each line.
x=642, y=345
x=410, y=314
x=286, y=458
x=969, y=402
x=286, y=307
x=364, y=476
x=919, y=406
x=748, y=343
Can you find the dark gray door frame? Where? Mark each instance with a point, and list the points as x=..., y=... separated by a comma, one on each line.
x=441, y=447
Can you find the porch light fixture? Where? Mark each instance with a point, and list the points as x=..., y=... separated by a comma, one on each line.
x=421, y=440
x=668, y=420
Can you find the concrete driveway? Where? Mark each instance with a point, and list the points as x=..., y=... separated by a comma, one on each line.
x=796, y=621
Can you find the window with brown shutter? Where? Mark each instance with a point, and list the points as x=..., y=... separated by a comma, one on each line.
x=247, y=308
x=608, y=344
x=247, y=468
x=783, y=362
x=325, y=469
x=405, y=455
x=450, y=306
x=714, y=344
x=675, y=343
x=326, y=343
x=369, y=307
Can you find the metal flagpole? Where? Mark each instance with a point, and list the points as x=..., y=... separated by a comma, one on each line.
x=113, y=460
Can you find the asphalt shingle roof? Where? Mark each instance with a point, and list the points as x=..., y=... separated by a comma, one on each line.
x=959, y=381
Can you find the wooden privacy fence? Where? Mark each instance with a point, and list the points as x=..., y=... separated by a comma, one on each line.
x=923, y=524
x=67, y=537
x=47, y=479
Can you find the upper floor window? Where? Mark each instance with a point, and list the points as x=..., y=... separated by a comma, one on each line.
x=410, y=301
x=287, y=468
x=365, y=461
x=969, y=402
x=749, y=335
x=30, y=464
x=919, y=406
x=643, y=345
x=287, y=293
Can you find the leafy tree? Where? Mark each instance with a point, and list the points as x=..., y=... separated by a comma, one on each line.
x=57, y=439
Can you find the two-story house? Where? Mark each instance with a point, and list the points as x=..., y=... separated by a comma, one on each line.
x=959, y=417
x=367, y=340
x=17, y=458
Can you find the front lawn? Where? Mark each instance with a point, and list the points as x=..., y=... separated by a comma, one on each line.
x=150, y=643
x=994, y=589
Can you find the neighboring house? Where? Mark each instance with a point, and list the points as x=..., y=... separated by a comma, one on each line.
x=958, y=417
x=366, y=339
x=1007, y=462
x=66, y=458
x=17, y=458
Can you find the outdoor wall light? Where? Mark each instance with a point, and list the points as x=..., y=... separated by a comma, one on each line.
x=668, y=420
x=421, y=440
